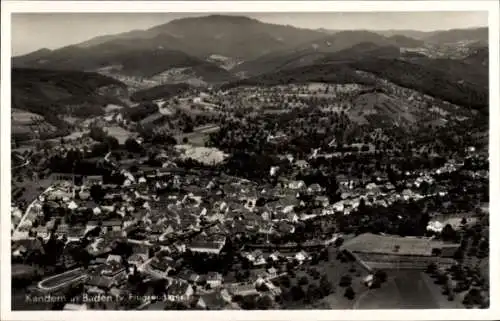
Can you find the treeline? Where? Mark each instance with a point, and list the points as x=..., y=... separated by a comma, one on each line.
x=327, y=73
x=158, y=92
x=142, y=111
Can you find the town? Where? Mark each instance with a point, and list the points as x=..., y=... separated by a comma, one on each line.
x=274, y=220
x=221, y=162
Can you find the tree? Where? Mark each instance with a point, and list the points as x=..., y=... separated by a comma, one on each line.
x=448, y=233
x=431, y=268
x=97, y=193
x=297, y=293
x=349, y=293
x=132, y=145
x=381, y=275
x=325, y=286
x=345, y=281
x=264, y=302
x=303, y=280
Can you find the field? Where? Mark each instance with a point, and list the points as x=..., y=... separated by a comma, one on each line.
x=403, y=290
x=32, y=188
x=118, y=133
x=371, y=243
x=198, y=136
x=334, y=270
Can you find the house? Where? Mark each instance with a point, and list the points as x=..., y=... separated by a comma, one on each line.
x=112, y=225
x=296, y=185
x=302, y=256
x=214, y=279
x=256, y=258
x=179, y=291
x=212, y=301
x=272, y=273
x=275, y=256
x=322, y=201
x=368, y=280
x=244, y=289
x=302, y=164
x=93, y=180
x=314, y=188
x=137, y=259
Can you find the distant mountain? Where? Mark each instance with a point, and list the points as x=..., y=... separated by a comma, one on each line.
x=407, y=42
x=309, y=56
x=236, y=37
x=343, y=40
x=456, y=35
x=441, y=36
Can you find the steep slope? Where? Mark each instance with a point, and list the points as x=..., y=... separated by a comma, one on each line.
x=50, y=93
x=139, y=59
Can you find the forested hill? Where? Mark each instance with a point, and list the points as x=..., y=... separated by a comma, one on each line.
x=50, y=92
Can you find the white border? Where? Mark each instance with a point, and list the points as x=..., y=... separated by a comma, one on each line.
x=9, y=7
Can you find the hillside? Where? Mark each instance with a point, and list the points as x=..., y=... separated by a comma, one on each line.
x=290, y=60
x=345, y=39
x=446, y=79
x=479, y=57
x=328, y=73
x=50, y=93
x=451, y=80
x=456, y=35
x=159, y=92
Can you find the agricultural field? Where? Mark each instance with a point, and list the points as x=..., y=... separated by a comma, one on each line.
x=119, y=133
x=198, y=136
x=403, y=290
x=32, y=188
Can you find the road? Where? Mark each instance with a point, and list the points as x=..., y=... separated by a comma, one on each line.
x=22, y=165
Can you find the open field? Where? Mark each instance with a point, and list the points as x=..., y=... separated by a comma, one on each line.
x=119, y=133
x=32, y=188
x=198, y=136
x=403, y=290
x=371, y=243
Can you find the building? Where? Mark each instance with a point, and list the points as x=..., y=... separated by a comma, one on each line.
x=214, y=279
x=179, y=291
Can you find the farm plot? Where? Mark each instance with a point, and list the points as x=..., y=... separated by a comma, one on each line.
x=403, y=290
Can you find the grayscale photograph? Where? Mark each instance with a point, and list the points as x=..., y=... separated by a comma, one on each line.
x=249, y=161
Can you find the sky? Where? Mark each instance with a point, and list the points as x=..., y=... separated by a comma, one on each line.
x=33, y=31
